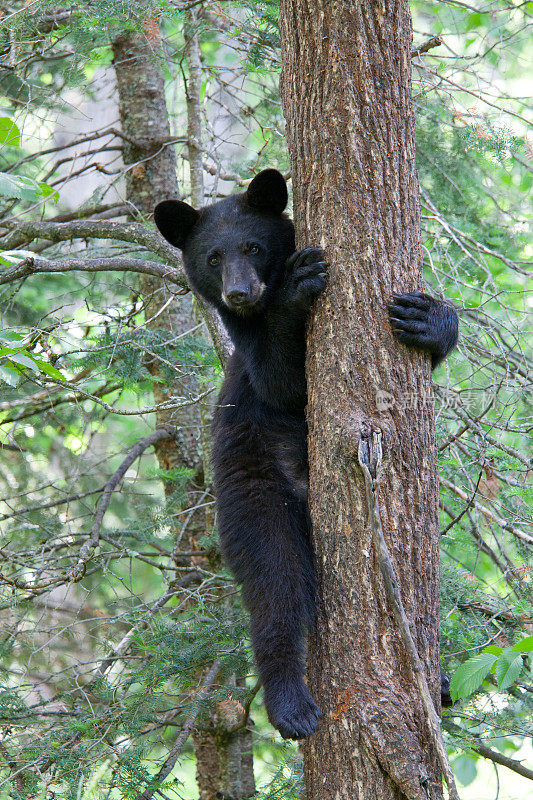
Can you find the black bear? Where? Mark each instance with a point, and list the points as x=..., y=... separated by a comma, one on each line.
x=239, y=255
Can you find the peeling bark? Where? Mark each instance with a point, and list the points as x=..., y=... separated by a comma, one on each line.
x=346, y=86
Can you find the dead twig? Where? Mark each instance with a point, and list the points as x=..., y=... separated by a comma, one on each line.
x=435, y=41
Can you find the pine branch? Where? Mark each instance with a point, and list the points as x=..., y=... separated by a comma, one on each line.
x=17, y=771
x=186, y=731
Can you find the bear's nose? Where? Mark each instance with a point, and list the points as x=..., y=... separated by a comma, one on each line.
x=238, y=296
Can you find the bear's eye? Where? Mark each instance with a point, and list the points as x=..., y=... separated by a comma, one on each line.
x=253, y=249
x=214, y=260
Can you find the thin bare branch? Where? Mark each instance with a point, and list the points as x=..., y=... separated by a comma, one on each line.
x=435, y=41
x=35, y=266
x=89, y=548
x=506, y=526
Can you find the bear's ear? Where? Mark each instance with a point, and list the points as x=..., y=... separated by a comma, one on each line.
x=268, y=192
x=175, y=220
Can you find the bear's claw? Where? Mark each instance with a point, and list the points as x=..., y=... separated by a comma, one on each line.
x=421, y=321
x=305, y=277
x=292, y=710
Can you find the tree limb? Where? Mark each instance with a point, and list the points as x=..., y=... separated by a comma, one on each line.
x=506, y=526
x=36, y=266
x=88, y=549
x=134, y=232
x=69, y=499
x=487, y=752
x=465, y=509
x=435, y=41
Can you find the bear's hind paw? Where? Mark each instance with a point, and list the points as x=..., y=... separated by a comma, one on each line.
x=292, y=710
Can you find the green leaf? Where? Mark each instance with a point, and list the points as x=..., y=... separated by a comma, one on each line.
x=524, y=646
x=9, y=132
x=473, y=21
x=48, y=369
x=470, y=675
x=48, y=191
x=465, y=769
x=494, y=649
x=11, y=336
x=477, y=20
x=9, y=375
x=17, y=187
x=24, y=361
x=508, y=668
x=527, y=182
x=23, y=188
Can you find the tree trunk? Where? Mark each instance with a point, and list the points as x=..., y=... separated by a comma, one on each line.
x=150, y=178
x=346, y=86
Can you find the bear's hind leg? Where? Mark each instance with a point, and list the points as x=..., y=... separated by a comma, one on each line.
x=270, y=554
x=278, y=643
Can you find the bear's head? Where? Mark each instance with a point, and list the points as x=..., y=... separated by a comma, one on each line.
x=234, y=251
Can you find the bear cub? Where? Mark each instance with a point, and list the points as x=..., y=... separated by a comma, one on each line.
x=239, y=255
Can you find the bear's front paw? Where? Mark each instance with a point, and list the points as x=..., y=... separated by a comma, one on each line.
x=420, y=321
x=305, y=276
x=291, y=709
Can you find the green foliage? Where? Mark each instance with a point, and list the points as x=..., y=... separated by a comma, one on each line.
x=507, y=669
x=506, y=663
x=286, y=782
x=16, y=359
x=178, y=650
x=261, y=23
x=101, y=734
x=127, y=355
x=471, y=674
x=465, y=769
x=9, y=133
x=24, y=188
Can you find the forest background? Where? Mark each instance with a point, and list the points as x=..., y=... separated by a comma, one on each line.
x=125, y=666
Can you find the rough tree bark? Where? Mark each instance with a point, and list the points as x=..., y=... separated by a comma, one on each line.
x=346, y=86
x=224, y=759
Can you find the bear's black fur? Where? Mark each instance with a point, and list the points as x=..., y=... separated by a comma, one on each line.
x=239, y=255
